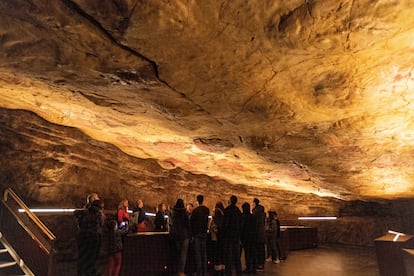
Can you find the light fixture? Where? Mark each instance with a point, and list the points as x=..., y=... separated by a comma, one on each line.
x=52, y=210
x=317, y=218
x=397, y=235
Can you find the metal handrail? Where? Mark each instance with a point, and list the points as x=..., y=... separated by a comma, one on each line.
x=31, y=215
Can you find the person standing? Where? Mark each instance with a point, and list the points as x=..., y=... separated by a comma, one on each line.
x=180, y=233
x=216, y=232
x=160, y=221
x=199, y=227
x=271, y=236
x=249, y=238
x=122, y=213
x=140, y=217
x=231, y=237
x=89, y=238
x=259, y=213
x=114, y=246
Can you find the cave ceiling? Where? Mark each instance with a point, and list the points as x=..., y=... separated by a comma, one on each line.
x=303, y=96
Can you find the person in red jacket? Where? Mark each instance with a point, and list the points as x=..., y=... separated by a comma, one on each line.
x=122, y=214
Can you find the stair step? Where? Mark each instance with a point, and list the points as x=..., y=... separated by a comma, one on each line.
x=4, y=250
x=7, y=264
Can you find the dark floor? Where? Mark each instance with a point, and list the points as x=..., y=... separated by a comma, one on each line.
x=325, y=260
x=329, y=260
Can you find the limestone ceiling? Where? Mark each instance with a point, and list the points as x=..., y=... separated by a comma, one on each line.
x=305, y=96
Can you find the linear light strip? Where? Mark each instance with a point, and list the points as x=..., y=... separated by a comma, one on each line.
x=71, y=210
x=317, y=218
x=57, y=210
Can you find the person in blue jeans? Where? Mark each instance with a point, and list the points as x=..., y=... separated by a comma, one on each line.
x=199, y=227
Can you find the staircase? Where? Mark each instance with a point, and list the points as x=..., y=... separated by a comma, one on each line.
x=24, y=240
x=10, y=262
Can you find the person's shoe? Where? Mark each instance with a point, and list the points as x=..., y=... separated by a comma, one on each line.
x=260, y=268
x=269, y=259
x=276, y=261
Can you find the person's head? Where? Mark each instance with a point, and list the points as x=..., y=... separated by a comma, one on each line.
x=91, y=198
x=246, y=208
x=200, y=199
x=123, y=204
x=162, y=207
x=255, y=202
x=189, y=208
x=140, y=203
x=179, y=203
x=233, y=200
x=271, y=215
x=219, y=205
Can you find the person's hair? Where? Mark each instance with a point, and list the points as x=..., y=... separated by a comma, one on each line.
x=233, y=199
x=179, y=203
x=160, y=206
x=121, y=204
x=200, y=199
x=246, y=207
x=89, y=198
x=256, y=201
x=272, y=215
x=219, y=205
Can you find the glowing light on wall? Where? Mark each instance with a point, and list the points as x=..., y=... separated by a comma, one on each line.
x=51, y=210
x=317, y=218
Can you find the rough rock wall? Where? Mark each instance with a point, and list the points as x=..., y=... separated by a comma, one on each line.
x=56, y=166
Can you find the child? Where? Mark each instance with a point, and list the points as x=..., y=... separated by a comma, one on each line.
x=114, y=246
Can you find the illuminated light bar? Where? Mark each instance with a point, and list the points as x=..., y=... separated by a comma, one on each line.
x=57, y=210
x=71, y=210
x=397, y=235
x=317, y=218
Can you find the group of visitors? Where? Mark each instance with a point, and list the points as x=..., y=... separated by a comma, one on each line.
x=228, y=232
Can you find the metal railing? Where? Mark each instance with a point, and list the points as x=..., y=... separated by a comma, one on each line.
x=43, y=228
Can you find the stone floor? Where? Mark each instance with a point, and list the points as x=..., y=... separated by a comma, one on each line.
x=325, y=260
x=332, y=260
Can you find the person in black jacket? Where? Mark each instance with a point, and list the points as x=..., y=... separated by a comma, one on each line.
x=259, y=212
x=160, y=222
x=180, y=233
x=199, y=227
x=231, y=237
x=249, y=238
x=89, y=238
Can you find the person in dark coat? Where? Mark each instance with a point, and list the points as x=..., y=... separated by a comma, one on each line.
x=259, y=212
x=231, y=237
x=249, y=238
x=180, y=233
x=160, y=222
x=199, y=227
x=90, y=224
x=216, y=232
